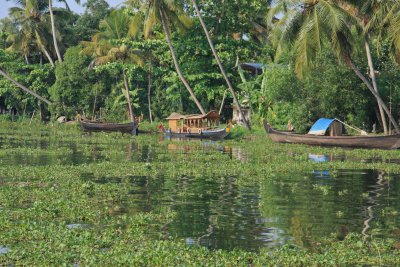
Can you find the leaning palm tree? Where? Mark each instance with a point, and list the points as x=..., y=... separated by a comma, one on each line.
x=169, y=14
x=118, y=25
x=53, y=27
x=210, y=42
x=370, y=15
x=314, y=23
x=22, y=87
x=53, y=31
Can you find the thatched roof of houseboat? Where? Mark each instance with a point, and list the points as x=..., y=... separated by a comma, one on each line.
x=176, y=116
x=210, y=115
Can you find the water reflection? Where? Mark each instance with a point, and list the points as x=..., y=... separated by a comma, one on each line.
x=308, y=210
x=373, y=197
x=318, y=158
x=322, y=174
x=78, y=226
x=36, y=153
x=237, y=153
x=4, y=250
x=217, y=212
x=222, y=213
x=331, y=157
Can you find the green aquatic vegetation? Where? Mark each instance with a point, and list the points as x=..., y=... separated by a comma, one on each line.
x=324, y=189
x=35, y=151
x=82, y=210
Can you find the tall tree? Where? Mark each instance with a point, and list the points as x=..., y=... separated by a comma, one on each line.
x=33, y=27
x=116, y=26
x=87, y=24
x=370, y=17
x=316, y=22
x=170, y=14
x=210, y=42
x=392, y=26
x=7, y=27
x=54, y=29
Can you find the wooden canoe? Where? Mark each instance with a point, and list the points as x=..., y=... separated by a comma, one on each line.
x=368, y=142
x=92, y=126
x=204, y=134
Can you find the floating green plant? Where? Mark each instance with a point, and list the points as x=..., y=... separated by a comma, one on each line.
x=111, y=199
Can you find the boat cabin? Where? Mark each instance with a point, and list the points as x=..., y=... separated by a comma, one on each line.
x=327, y=127
x=194, y=123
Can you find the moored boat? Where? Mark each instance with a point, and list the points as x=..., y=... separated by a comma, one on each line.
x=361, y=141
x=93, y=126
x=195, y=126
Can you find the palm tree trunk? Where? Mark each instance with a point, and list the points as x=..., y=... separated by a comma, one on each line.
x=26, y=59
x=53, y=30
x=149, y=98
x=375, y=94
x=94, y=105
x=46, y=53
x=374, y=83
x=5, y=75
x=177, y=67
x=247, y=124
x=128, y=97
x=222, y=103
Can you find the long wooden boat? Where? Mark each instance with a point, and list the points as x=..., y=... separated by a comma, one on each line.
x=368, y=142
x=92, y=126
x=218, y=133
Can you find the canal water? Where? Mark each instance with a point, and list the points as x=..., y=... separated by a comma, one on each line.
x=220, y=212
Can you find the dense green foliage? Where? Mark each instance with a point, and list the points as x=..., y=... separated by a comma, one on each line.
x=243, y=31
x=39, y=77
x=316, y=63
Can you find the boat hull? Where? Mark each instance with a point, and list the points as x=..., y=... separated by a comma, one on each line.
x=206, y=134
x=368, y=142
x=131, y=127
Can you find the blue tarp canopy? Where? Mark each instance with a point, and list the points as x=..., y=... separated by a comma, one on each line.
x=259, y=67
x=256, y=66
x=321, y=126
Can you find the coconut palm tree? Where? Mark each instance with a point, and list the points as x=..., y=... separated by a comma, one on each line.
x=369, y=14
x=315, y=22
x=223, y=72
x=53, y=26
x=21, y=43
x=33, y=28
x=7, y=27
x=66, y=4
x=170, y=14
x=118, y=25
x=53, y=31
x=392, y=24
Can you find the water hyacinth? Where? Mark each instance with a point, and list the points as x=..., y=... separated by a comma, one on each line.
x=102, y=199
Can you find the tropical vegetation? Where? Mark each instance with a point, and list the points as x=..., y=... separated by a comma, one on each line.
x=71, y=199
x=319, y=57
